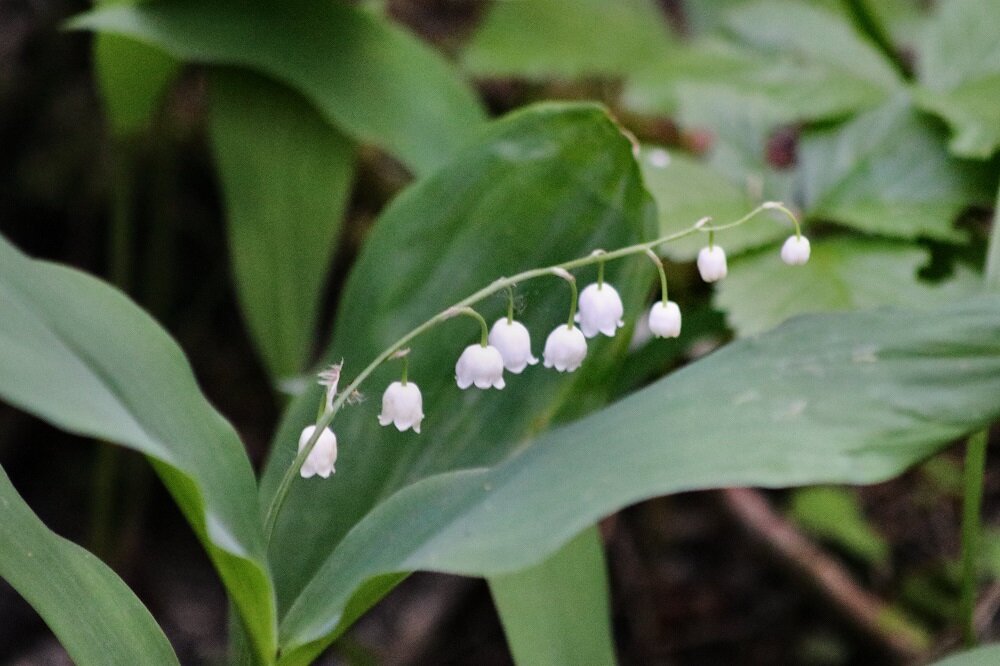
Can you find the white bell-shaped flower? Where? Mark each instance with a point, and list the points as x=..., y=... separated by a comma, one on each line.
x=323, y=455
x=479, y=365
x=712, y=263
x=403, y=406
x=513, y=341
x=565, y=348
x=600, y=310
x=665, y=320
x=795, y=251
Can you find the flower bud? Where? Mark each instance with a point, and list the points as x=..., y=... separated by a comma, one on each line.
x=479, y=365
x=795, y=251
x=323, y=455
x=712, y=263
x=565, y=348
x=513, y=342
x=665, y=320
x=600, y=310
x=403, y=406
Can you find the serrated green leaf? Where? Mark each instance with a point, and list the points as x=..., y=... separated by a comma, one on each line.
x=835, y=514
x=286, y=175
x=544, y=185
x=372, y=80
x=887, y=172
x=761, y=291
x=556, y=612
x=91, y=611
x=80, y=355
x=553, y=38
x=796, y=61
x=686, y=189
x=959, y=70
x=767, y=411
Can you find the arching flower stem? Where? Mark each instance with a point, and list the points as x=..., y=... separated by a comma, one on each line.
x=497, y=285
x=663, y=275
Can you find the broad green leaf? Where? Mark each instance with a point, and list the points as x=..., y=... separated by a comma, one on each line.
x=835, y=514
x=685, y=190
x=553, y=38
x=557, y=612
x=286, y=175
x=91, y=611
x=846, y=398
x=761, y=291
x=797, y=61
x=887, y=172
x=544, y=185
x=373, y=80
x=80, y=355
x=960, y=74
x=985, y=655
x=132, y=78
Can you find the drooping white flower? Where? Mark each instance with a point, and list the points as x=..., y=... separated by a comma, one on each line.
x=513, y=341
x=665, y=320
x=323, y=455
x=479, y=365
x=565, y=348
x=712, y=263
x=600, y=310
x=403, y=406
x=795, y=251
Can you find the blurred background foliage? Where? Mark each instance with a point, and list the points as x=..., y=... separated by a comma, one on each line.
x=224, y=167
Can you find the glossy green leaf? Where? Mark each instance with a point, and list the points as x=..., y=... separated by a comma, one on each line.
x=286, y=175
x=91, y=611
x=887, y=172
x=542, y=186
x=766, y=411
x=985, y=655
x=960, y=74
x=80, y=355
x=551, y=38
x=835, y=514
x=761, y=291
x=686, y=189
x=132, y=78
x=373, y=80
x=557, y=612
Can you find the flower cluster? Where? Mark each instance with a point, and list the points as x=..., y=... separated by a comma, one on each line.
x=506, y=346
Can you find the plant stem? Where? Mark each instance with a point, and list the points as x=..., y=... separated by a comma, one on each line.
x=663, y=275
x=500, y=284
x=975, y=467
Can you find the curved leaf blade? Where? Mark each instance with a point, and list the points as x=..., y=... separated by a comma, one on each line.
x=556, y=612
x=765, y=411
x=78, y=354
x=286, y=176
x=364, y=75
x=95, y=616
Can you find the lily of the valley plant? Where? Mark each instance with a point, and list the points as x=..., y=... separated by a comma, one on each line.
x=506, y=346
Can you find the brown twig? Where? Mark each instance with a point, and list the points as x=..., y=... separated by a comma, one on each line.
x=863, y=609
